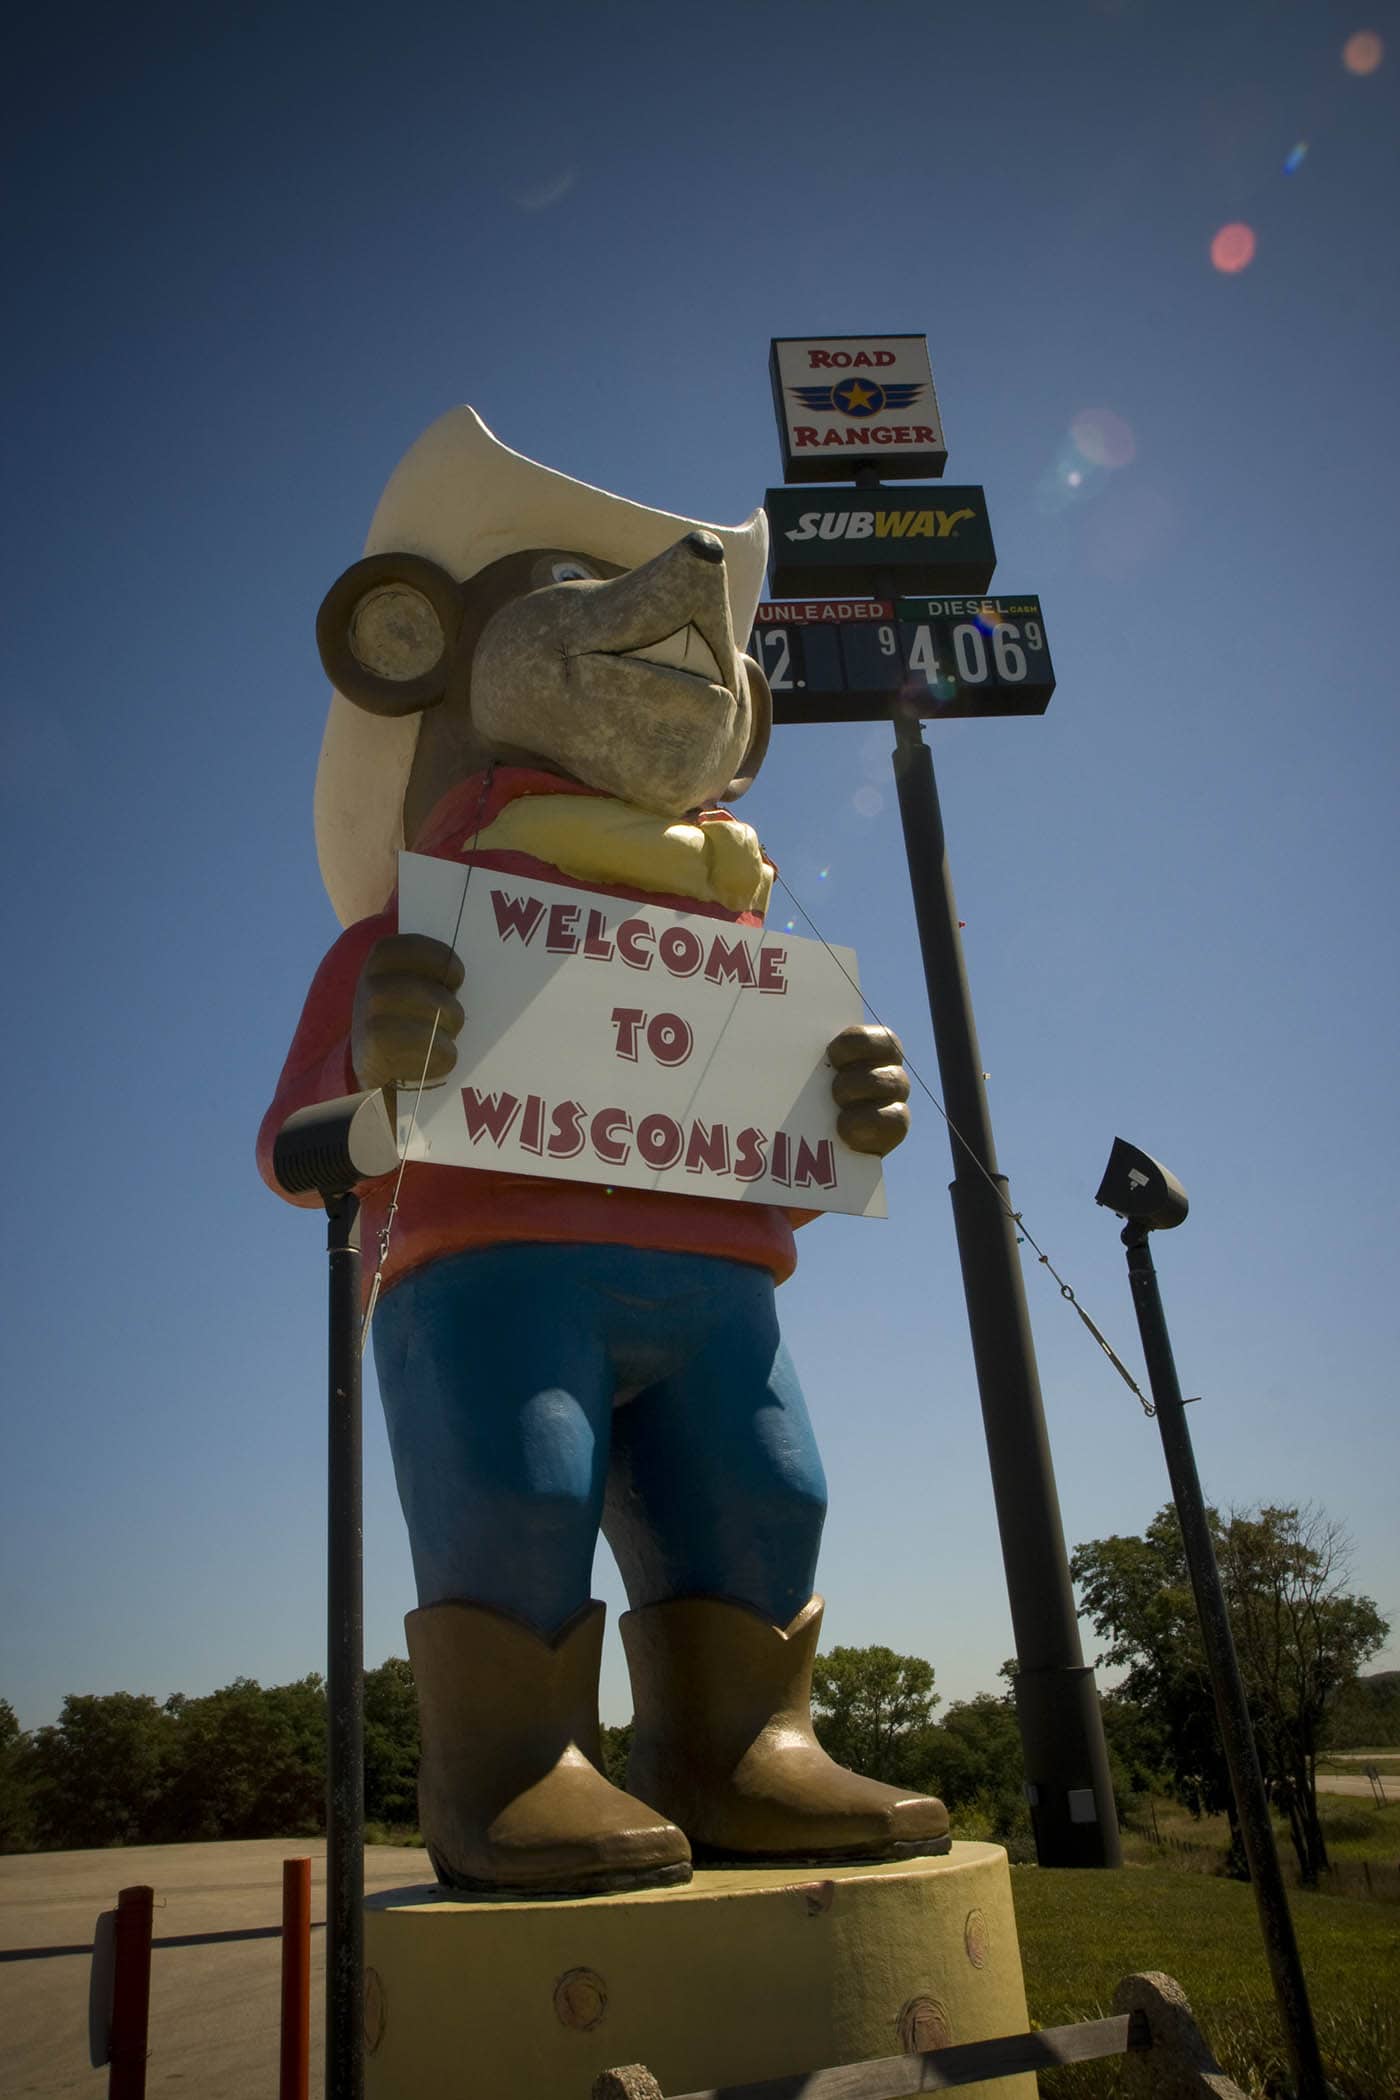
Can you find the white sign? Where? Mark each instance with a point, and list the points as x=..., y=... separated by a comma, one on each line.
x=851, y=401
x=635, y=1045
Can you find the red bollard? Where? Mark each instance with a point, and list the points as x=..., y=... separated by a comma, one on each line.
x=131, y=1995
x=296, y=1979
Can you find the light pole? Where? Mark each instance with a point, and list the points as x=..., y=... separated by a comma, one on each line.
x=1068, y=1780
x=331, y=1148
x=1150, y=1199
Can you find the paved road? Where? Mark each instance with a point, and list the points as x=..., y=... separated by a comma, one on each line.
x=214, y=2009
x=1356, y=1783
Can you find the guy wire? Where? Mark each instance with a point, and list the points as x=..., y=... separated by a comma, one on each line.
x=1023, y=1230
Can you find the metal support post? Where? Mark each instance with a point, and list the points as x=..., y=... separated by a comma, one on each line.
x=333, y=1148
x=345, y=1686
x=295, y=2060
x=1231, y=1704
x=131, y=1994
x=1066, y=1758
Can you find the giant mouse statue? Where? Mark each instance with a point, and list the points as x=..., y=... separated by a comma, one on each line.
x=533, y=676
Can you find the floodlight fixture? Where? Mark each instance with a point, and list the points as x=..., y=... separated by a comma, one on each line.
x=1141, y=1190
x=334, y=1145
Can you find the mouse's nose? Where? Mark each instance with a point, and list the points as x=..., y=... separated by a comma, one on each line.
x=705, y=545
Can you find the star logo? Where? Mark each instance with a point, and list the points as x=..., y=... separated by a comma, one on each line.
x=858, y=398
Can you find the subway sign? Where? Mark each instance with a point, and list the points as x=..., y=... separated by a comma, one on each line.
x=836, y=542
x=854, y=660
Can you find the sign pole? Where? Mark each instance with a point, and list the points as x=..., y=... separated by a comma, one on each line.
x=1068, y=1784
x=1066, y=1758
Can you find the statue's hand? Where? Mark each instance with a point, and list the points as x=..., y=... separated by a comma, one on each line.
x=871, y=1088
x=407, y=978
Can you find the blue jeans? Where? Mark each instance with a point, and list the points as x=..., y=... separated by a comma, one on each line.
x=533, y=1393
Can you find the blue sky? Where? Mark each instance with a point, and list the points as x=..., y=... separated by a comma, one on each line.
x=255, y=251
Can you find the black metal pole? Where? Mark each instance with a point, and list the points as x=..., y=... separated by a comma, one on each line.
x=1231, y=1705
x=345, y=1693
x=1062, y=1738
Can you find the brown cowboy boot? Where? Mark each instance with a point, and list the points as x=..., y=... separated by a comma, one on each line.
x=723, y=1742
x=510, y=1799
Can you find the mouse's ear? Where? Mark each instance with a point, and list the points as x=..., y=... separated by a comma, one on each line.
x=387, y=630
x=761, y=704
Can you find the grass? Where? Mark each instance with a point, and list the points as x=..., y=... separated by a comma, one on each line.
x=1363, y=1844
x=1081, y=1931
x=1356, y=1829
x=392, y=1834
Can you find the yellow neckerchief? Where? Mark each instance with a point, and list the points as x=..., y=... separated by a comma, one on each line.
x=595, y=838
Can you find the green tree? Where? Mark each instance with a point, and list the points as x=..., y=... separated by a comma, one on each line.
x=617, y=1748
x=294, y=1801
x=1299, y=1633
x=1365, y=1715
x=1301, y=1637
x=247, y=1762
x=16, y=1784
x=100, y=1771
x=973, y=1759
x=1137, y=1593
x=391, y=1743
x=870, y=1707
x=1138, y=1752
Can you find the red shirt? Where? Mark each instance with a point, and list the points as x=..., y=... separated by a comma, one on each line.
x=446, y=1210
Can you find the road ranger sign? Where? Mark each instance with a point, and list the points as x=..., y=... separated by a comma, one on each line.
x=850, y=401
x=827, y=542
x=838, y=660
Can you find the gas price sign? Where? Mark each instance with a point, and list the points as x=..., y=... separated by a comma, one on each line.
x=851, y=660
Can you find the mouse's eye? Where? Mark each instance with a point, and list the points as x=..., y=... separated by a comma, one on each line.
x=570, y=572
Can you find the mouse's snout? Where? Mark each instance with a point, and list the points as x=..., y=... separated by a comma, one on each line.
x=706, y=545
x=631, y=683
x=672, y=611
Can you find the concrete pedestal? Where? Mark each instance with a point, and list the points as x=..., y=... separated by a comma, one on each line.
x=743, y=1974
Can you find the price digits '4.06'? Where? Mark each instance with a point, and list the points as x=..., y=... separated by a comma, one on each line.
x=975, y=660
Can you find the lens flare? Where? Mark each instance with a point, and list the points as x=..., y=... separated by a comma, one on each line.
x=822, y=874
x=1103, y=438
x=1296, y=158
x=1232, y=250
x=1363, y=52
x=1098, y=442
x=1064, y=483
